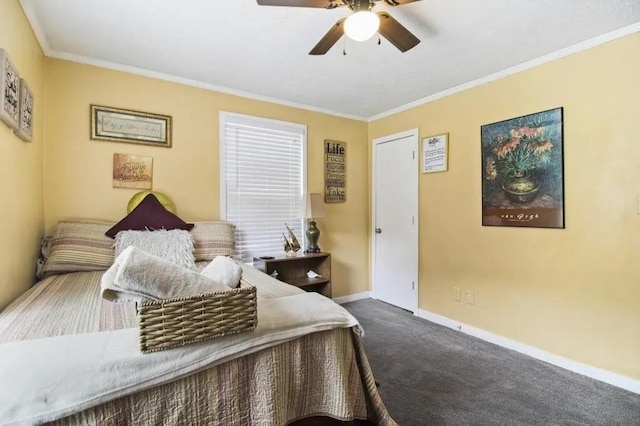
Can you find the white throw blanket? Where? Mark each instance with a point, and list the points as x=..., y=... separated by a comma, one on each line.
x=47, y=379
x=138, y=276
x=223, y=270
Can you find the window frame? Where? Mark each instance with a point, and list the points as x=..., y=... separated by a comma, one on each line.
x=268, y=123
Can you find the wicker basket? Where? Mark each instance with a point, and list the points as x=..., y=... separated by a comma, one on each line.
x=175, y=322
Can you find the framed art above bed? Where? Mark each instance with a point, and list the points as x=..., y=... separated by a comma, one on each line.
x=132, y=171
x=125, y=125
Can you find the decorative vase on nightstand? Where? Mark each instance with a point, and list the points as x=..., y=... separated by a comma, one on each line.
x=312, y=206
x=313, y=233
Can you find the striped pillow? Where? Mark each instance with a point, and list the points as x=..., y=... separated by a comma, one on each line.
x=211, y=239
x=79, y=245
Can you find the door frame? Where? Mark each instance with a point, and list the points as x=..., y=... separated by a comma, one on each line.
x=408, y=133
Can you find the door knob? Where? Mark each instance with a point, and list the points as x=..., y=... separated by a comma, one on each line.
x=378, y=231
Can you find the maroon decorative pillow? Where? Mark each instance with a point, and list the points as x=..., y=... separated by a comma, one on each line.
x=149, y=214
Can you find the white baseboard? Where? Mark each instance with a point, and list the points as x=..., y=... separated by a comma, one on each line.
x=352, y=297
x=566, y=363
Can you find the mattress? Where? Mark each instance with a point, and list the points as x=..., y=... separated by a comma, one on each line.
x=320, y=374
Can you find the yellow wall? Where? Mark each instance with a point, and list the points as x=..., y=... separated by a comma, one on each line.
x=78, y=170
x=574, y=292
x=21, y=171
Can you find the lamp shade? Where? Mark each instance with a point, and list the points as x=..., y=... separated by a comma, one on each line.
x=312, y=206
x=361, y=25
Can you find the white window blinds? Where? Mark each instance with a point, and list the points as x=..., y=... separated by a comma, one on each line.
x=263, y=176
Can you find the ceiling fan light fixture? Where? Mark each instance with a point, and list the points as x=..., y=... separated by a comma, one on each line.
x=362, y=25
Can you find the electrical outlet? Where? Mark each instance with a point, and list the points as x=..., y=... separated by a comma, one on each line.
x=456, y=293
x=470, y=297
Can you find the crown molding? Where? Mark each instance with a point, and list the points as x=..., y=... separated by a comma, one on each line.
x=579, y=47
x=587, y=44
x=193, y=83
x=32, y=17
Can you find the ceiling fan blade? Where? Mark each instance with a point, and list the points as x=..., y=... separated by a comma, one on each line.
x=396, y=33
x=323, y=4
x=399, y=2
x=329, y=39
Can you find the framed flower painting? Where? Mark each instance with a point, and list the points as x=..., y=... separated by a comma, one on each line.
x=522, y=171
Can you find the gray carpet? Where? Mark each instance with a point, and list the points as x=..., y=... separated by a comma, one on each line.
x=432, y=375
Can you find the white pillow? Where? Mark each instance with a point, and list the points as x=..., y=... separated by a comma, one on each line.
x=223, y=270
x=175, y=245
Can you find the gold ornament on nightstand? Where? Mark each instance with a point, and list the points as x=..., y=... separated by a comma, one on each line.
x=291, y=244
x=287, y=245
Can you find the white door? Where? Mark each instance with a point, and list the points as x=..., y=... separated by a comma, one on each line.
x=395, y=220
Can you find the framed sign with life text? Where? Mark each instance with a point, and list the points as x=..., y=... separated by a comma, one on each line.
x=335, y=171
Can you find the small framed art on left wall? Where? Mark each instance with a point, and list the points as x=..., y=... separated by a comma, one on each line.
x=9, y=91
x=25, y=122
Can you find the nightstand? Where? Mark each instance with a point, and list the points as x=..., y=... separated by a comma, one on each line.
x=293, y=270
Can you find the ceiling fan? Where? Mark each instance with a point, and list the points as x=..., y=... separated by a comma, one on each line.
x=361, y=25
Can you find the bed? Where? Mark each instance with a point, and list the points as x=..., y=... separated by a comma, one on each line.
x=319, y=378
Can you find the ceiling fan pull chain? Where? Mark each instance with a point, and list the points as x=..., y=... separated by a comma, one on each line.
x=379, y=42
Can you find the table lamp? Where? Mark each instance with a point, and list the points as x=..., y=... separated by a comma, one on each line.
x=312, y=206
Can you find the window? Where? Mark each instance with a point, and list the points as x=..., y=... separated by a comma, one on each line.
x=263, y=177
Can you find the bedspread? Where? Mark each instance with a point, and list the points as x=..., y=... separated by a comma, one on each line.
x=324, y=373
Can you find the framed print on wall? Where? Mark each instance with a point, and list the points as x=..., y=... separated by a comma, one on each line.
x=435, y=153
x=9, y=91
x=132, y=171
x=124, y=125
x=25, y=122
x=522, y=171
x=335, y=171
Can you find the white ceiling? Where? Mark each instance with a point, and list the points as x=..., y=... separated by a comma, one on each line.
x=261, y=52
